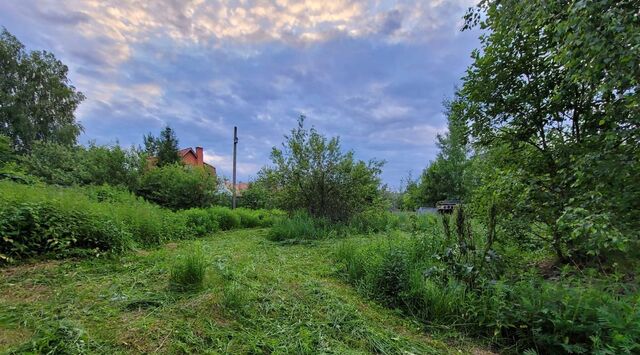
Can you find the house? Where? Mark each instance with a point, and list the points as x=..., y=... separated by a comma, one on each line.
x=195, y=158
x=189, y=157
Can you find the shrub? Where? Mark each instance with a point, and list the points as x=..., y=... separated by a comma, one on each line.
x=299, y=226
x=200, y=222
x=426, y=277
x=52, y=220
x=30, y=229
x=188, y=273
x=249, y=218
x=227, y=218
x=313, y=173
x=178, y=187
x=76, y=165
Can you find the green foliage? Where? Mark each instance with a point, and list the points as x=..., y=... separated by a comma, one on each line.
x=226, y=218
x=188, y=273
x=6, y=153
x=37, y=101
x=201, y=221
x=62, y=337
x=57, y=221
x=427, y=276
x=36, y=222
x=552, y=100
x=257, y=196
x=164, y=148
x=300, y=226
x=62, y=165
x=312, y=173
x=178, y=187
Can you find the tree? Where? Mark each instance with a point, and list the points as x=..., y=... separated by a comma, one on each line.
x=76, y=165
x=6, y=153
x=555, y=89
x=37, y=100
x=445, y=177
x=164, y=148
x=312, y=173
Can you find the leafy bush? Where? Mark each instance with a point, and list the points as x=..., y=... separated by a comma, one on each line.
x=76, y=165
x=200, y=221
x=178, y=187
x=227, y=218
x=29, y=229
x=188, y=273
x=37, y=219
x=48, y=220
x=312, y=173
x=428, y=276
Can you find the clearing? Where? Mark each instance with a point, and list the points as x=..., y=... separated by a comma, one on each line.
x=260, y=297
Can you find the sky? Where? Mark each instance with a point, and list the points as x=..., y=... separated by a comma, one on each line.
x=374, y=72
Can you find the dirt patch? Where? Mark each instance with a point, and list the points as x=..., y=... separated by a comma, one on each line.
x=26, y=269
x=12, y=337
x=171, y=246
x=25, y=293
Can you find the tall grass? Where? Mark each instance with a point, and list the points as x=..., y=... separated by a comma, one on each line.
x=188, y=273
x=57, y=221
x=417, y=274
x=298, y=227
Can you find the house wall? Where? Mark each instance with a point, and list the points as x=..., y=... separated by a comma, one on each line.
x=190, y=159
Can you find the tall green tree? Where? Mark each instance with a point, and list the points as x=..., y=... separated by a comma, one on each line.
x=37, y=100
x=555, y=88
x=312, y=173
x=444, y=177
x=164, y=147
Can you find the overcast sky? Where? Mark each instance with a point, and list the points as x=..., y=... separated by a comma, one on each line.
x=372, y=72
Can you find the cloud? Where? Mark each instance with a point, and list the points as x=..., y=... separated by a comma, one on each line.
x=224, y=165
x=372, y=72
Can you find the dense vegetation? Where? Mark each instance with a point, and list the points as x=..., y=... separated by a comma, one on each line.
x=58, y=222
x=543, y=148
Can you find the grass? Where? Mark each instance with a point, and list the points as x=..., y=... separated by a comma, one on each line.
x=257, y=297
x=188, y=273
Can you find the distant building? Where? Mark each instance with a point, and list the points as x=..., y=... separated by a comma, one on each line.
x=189, y=157
x=195, y=158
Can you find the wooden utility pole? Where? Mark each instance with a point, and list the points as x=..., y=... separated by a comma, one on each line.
x=235, y=145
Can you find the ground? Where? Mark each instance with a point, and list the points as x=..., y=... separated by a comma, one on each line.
x=259, y=297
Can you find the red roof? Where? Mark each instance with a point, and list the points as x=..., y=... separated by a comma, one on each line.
x=183, y=152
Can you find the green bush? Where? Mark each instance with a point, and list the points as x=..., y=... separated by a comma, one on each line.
x=40, y=219
x=178, y=187
x=227, y=218
x=29, y=229
x=249, y=218
x=421, y=275
x=66, y=165
x=298, y=227
x=200, y=221
x=188, y=273
x=53, y=220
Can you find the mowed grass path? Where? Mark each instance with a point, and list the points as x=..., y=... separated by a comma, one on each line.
x=260, y=297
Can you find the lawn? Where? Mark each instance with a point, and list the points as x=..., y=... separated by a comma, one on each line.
x=259, y=297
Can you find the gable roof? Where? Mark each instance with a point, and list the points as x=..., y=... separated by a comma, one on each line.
x=185, y=151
